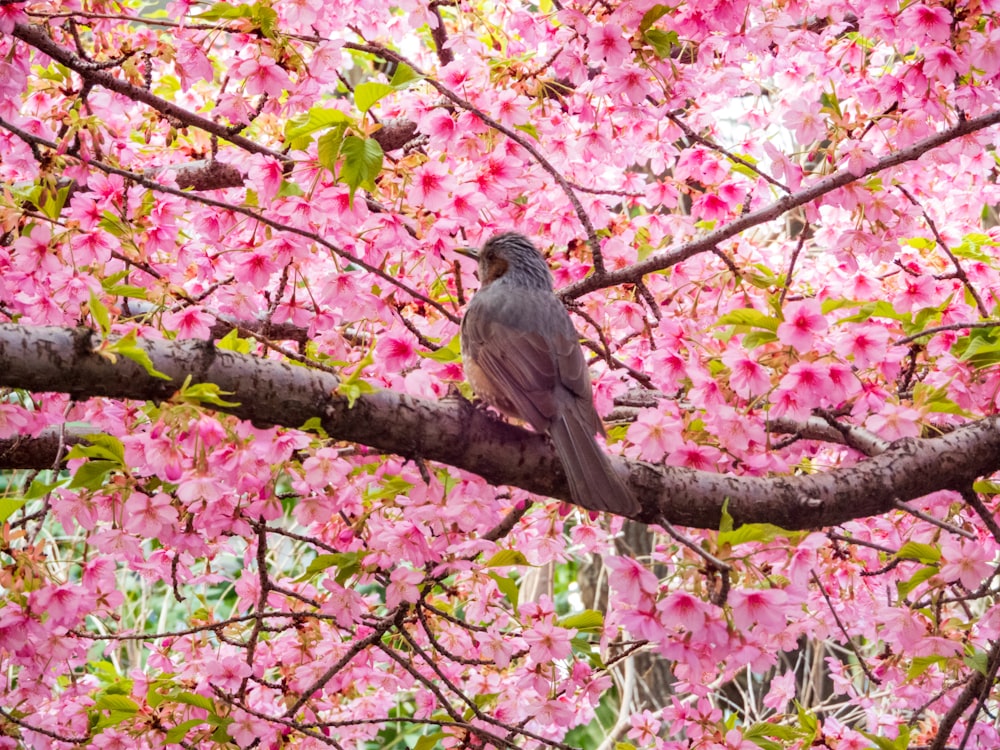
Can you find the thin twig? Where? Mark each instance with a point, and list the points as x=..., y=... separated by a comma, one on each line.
x=950, y=528
x=840, y=624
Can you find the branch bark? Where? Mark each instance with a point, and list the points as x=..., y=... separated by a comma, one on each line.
x=454, y=432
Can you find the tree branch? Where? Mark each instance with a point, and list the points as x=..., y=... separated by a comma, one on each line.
x=454, y=432
x=674, y=255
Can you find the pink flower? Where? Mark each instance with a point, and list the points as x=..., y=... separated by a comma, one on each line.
x=683, y=609
x=263, y=76
x=439, y=127
x=396, y=352
x=248, y=730
x=656, y=433
x=62, y=605
x=694, y=456
x=965, y=561
x=923, y=21
x=192, y=64
x=11, y=14
x=227, y=672
x=809, y=381
x=607, y=43
x=13, y=420
x=431, y=185
x=325, y=468
x=710, y=207
x=403, y=587
x=895, y=421
x=781, y=691
x=146, y=516
x=761, y=607
x=867, y=345
x=254, y=267
x=628, y=81
x=803, y=322
x=645, y=726
x=32, y=254
x=806, y=119
x=941, y=62
x=631, y=581
x=189, y=323
x=859, y=157
x=746, y=376
x=548, y=642
x=985, y=50
x=920, y=292
x=511, y=108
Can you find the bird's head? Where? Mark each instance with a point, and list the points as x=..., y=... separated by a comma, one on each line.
x=513, y=257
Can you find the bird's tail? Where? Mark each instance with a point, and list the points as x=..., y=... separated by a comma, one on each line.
x=593, y=481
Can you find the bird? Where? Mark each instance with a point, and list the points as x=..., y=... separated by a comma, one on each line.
x=522, y=355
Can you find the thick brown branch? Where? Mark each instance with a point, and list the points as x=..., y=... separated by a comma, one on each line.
x=453, y=432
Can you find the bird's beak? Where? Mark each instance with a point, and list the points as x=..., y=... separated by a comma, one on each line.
x=468, y=252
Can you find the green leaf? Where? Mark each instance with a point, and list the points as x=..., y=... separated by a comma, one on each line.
x=260, y=16
x=289, y=189
x=233, y=343
x=986, y=487
x=193, y=699
x=653, y=15
x=726, y=520
x=205, y=393
x=879, y=309
x=346, y=564
x=905, y=587
x=91, y=475
x=103, y=446
x=39, y=489
x=924, y=553
x=505, y=558
x=404, y=76
x=128, y=346
x=362, y=163
x=298, y=129
x=100, y=314
x=9, y=507
x=749, y=318
x=450, y=352
x=831, y=102
x=529, y=129
x=367, y=94
x=429, y=741
x=106, y=702
x=754, y=532
x=52, y=205
x=756, y=338
x=980, y=348
x=662, y=42
x=977, y=659
x=921, y=664
x=328, y=148
x=807, y=720
x=589, y=620
x=507, y=587
x=179, y=732
x=902, y=741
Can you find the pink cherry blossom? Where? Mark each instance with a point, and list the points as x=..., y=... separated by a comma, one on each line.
x=803, y=322
x=965, y=561
x=548, y=642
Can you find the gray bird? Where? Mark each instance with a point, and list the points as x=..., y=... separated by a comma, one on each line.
x=522, y=355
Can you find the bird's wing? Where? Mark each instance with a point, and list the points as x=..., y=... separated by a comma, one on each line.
x=527, y=346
